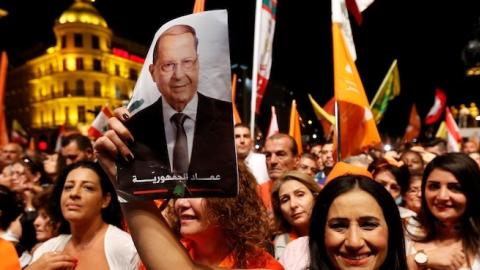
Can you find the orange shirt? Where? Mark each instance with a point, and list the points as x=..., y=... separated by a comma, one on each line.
x=264, y=260
x=8, y=256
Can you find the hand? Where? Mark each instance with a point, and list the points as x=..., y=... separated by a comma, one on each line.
x=113, y=142
x=53, y=261
x=446, y=258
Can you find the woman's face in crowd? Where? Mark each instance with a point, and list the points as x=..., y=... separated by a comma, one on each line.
x=413, y=196
x=414, y=162
x=444, y=196
x=356, y=233
x=193, y=217
x=44, y=229
x=389, y=182
x=82, y=197
x=296, y=203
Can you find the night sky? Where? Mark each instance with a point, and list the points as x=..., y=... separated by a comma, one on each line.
x=427, y=38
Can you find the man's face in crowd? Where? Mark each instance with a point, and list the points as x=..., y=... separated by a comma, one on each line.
x=327, y=155
x=280, y=158
x=11, y=153
x=243, y=141
x=308, y=166
x=176, y=69
x=73, y=154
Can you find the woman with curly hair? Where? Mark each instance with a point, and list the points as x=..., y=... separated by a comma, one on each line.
x=217, y=232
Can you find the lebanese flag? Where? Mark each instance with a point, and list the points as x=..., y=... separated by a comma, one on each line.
x=100, y=124
x=358, y=130
x=262, y=56
x=454, y=137
x=273, y=127
x=438, y=107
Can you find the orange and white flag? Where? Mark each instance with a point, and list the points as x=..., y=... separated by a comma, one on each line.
x=294, y=129
x=454, y=138
x=414, y=125
x=358, y=130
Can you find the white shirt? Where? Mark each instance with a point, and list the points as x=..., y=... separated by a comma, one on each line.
x=119, y=248
x=171, y=130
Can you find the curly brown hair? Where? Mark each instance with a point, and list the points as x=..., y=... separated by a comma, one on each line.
x=243, y=219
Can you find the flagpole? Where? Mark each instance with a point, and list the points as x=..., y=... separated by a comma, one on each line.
x=337, y=131
x=256, y=49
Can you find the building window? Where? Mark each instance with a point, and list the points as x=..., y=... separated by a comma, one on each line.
x=41, y=119
x=79, y=63
x=118, y=91
x=53, y=117
x=133, y=74
x=81, y=114
x=97, y=89
x=52, y=91
x=67, y=115
x=66, y=91
x=117, y=70
x=64, y=42
x=97, y=65
x=64, y=64
x=78, y=40
x=95, y=42
x=50, y=68
x=80, y=89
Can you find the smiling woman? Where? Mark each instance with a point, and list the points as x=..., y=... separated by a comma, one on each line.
x=361, y=227
x=449, y=214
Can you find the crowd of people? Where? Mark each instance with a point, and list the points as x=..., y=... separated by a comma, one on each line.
x=414, y=208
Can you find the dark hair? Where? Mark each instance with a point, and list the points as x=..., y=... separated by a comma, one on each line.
x=83, y=142
x=10, y=207
x=467, y=173
x=111, y=214
x=172, y=31
x=401, y=174
x=35, y=166
x=293, y=143
x=395, y=260
x=305, y=179
x=241, y=125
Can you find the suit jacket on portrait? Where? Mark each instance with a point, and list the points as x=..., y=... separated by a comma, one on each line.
x=213, y=150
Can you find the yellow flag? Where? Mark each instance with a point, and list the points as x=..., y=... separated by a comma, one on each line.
x=294, y=129
x=357, y=126
x=388, y=90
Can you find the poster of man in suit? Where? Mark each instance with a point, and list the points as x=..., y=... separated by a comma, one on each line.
x=182, y=121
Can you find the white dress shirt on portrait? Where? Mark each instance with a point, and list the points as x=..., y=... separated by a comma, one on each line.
x=171, y=130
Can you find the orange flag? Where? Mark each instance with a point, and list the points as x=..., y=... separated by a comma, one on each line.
x=414, y=124
x=3, y=78
x=236, y=115
x=294, y=129
x=199, y=6
x=358, y=130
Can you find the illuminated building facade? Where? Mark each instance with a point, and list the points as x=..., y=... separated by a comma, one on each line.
x=85, y=70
